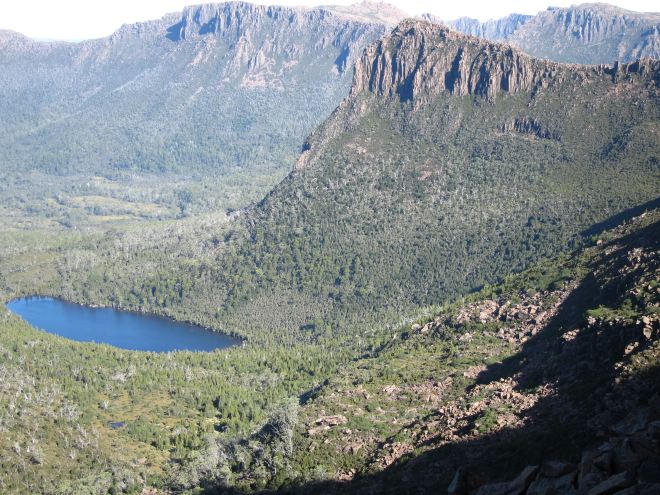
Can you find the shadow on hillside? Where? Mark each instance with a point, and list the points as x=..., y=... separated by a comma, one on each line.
x=589, y=397
x=619, y=218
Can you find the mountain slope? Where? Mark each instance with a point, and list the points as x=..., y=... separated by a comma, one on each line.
x=556, y=369
x=198, y=76
x=460, y=160
x=452, y=163
x=591, y=33
x=562, y=358
x=220, y=90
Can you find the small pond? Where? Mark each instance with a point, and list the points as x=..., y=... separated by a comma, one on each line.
x=133, y=331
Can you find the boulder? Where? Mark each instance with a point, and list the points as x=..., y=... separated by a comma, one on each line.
x=612, y=484
x=487, y=311
x=555, y=469
x=515, y=487
x=590, y=480
x=324, y=423
x=553, y=486
x=635, y=422
x=333, y=420
x=463, y=482
x=630, y=452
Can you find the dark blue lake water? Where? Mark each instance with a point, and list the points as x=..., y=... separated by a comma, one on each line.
x=133, y=331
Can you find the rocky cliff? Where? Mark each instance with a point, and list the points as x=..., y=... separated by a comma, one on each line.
x=495, y=29
x=269, y=39
x=419, y=60
x=592, y=33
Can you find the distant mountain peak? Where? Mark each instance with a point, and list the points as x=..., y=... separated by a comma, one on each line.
x=601, y=7
x=8, y=35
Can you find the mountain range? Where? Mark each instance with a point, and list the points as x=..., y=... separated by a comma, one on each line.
x=221, y=91
x=208, y=108
x=454, y=285
x=128, y=101
x=453, y=162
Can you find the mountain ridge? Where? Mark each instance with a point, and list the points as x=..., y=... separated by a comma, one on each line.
x=590, y=33
x=464, y=65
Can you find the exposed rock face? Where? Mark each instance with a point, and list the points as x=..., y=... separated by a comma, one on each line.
x=268, y=36
x=591, y=33
x=420, y=60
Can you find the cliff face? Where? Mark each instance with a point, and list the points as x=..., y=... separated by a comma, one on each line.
x=589, y=34
x=270, y=39
x=234, y=19
x=419, y=60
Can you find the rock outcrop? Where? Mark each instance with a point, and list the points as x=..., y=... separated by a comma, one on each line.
x=420, y=60
x=494, y=29
x=627, y=463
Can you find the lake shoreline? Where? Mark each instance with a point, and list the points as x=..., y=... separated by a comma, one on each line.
x=128, y=329
x=139, y=311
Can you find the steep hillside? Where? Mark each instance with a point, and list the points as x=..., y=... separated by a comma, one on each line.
x=550, y=380
x=221, y=92
x=591, y=33
x=452, y=163
x=208, y=84
x=558, y=369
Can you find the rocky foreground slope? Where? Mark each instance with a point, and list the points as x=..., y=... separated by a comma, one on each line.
x=549, y=382
x=591, y=33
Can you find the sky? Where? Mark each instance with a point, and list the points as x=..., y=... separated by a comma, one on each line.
x=83, y=19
